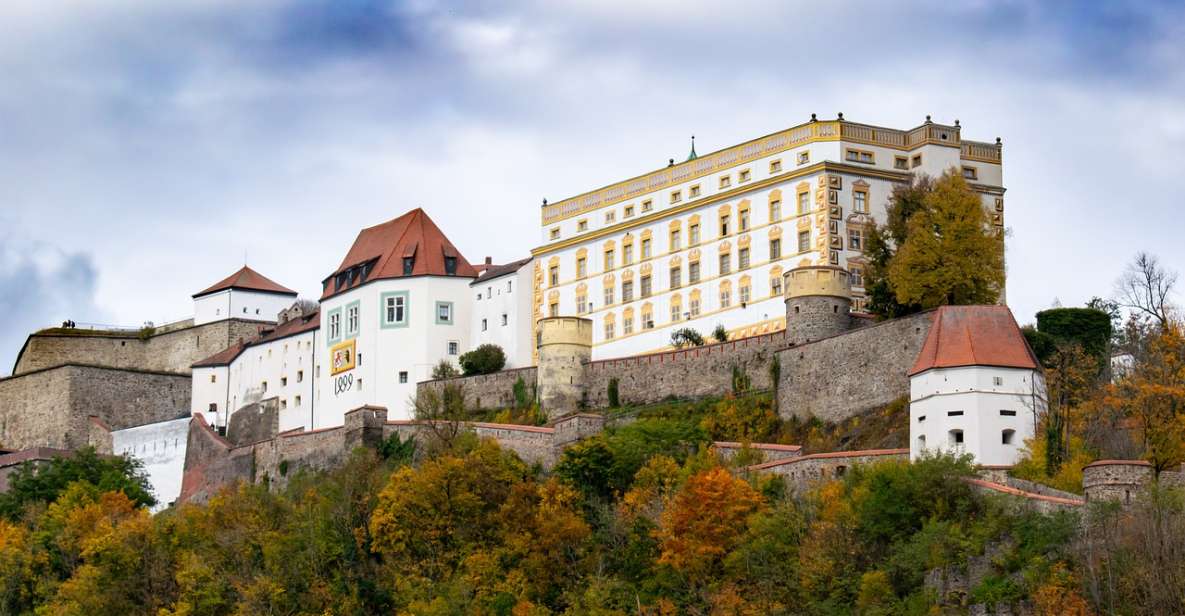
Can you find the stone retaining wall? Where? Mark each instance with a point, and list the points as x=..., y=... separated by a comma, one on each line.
x=804, y=472
x=487, y=391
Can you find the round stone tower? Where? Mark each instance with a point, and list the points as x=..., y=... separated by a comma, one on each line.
x=565, y=346
x=818, y=302
x=1116, y=480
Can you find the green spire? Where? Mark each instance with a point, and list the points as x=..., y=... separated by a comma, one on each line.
x=692, y=155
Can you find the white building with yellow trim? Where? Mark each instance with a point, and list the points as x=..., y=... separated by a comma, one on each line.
x=705, y=242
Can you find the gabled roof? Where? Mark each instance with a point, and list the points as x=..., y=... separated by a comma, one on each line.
x=493, y=271
x=974, y=336
x=292, y=327
x=378, y=253
x=248, y=279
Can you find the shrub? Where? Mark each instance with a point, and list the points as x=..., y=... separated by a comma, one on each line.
x=485, y=359
x=283, y=468
x=521, y=400
x=720, y=334
x=740, y=380
x=614, y=396
x=686, y=337
x=444, y=370
x=1088, y=327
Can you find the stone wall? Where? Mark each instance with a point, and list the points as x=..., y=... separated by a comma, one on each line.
x=487, y=391
x=846, y=375
x=1119, y=480
x=173, y=350
x=768, y=452
x=254, y=422
x=53, y=407
x=803, y=472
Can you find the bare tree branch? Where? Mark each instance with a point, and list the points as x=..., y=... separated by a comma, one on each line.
x=1145, y=287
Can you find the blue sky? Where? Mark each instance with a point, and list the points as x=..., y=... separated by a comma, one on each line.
x=145, y=147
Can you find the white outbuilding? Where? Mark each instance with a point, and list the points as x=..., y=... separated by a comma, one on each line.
x=976, y=387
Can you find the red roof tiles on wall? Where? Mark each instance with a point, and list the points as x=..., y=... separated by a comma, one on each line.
x=411, y=235
x=249, y=279
x=974, y=336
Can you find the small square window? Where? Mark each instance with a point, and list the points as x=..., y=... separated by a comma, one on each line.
x=804, y=157
x=998, y=381
x=693, y=192
x=725, y=181
x=403, y=376
x=454, y=347
x=744, y=176
x=582, y=225
x=676, y=196
x=555, y=233
x=629, y=211
x=444, y=313
x=610, y=217
x=916, y=161
x=970, y=173
x=647, y=205
x=900, y=162
x=775, y=166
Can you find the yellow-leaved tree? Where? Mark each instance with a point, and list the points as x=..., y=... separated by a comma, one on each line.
x=953, y=255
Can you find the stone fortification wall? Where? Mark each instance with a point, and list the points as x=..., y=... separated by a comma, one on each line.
x=171, y=350
x=1118, y=480
x=254, y=422
x=727, y=450
x=843, y=376
x=487, y=391
x=697, y=372
x=53, y=407
x=803, y=472
x=1044, y=503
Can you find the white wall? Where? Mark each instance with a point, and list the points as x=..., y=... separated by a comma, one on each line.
x=509, y=295
x=239, y=304
x=973, y=391
x=161, y=446
x=210, y=386
x=385, y=352
x=286, y=366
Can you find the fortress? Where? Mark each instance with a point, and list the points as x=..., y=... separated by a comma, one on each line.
x=764, y=239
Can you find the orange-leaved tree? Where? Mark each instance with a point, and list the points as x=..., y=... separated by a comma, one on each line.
x=1154, y=394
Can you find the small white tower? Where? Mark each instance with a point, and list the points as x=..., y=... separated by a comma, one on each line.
x=975, y=388
x=245, y=294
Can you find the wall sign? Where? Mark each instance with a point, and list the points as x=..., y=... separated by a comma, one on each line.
x=341, y=357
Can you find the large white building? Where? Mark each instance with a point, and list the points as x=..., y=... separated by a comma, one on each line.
x=705, y=242
x=502, y=310
x=975, y=388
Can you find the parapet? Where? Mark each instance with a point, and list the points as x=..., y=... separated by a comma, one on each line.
x=826, y=280
x=1118, y=480
x=565, y=330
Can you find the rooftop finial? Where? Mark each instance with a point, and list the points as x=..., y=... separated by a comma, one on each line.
x=927, y=119
x=956, y=121
x=692, y=155
x=545, y=202
x=814, y=118
x=841, y=116
x=670, y=162
x=999, y=142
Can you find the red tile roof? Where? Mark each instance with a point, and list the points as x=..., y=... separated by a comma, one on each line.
x=249, y=279
x=385, y=246
x=974, y=336
x=493, y=271
x=292, y=327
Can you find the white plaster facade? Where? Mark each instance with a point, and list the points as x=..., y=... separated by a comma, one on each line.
x=239, y=304
x=502, y=315
x=683, y=222
x=161, y=447
x=390, y=356
x=985, y=411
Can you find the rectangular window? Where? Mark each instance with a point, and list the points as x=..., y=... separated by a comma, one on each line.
x=608, y=260
x=608, y=330
x=743, y=176
x=484, y=325
x=725, y=298
x=213, y=378
x=970, y=173
x=627, y=326
x=743, y=258
x=859, y=156
x=745, y=292
x=804, y=202
x=856, y=238
x=900, y=162
x=804, y=241
x=394, y=306
x=504, y=319
x=775, y=210
x=555, y=235
x=775, y=285
x=676, y=197
x=627, y=254
x=693, y=272
x=693, y=192
x=454, y=347
x=997, y=381
x=645, y=286
x=724, y=225
x=676, y=312
x=581, y=304
x=608, y=295
x=335, y=325
x=725, y=181
x=444, y=313
x=283, y=381
x=775, y=249
x=647, y=205
x=1008, y=413
x=857, y=275
x=804, y=157
x=725, y=263
x=744, y=220
x=581, y=267
x=694, y=308
x=954, y=413
x=676, y=277
x=582, y=225
x=676, y=240
x=553, y=310
x=296, y=400
x=627, y=291
x=860, y=201
x=509, y=286
x=629, y=211
x=916, y=161
x=553, y=275
x=299, y=376
x=646, y=248
x=610, y=217
x=403, y=376
x=775, y=166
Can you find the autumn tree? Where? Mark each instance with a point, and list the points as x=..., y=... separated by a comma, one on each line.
x=1146, y=287
x=883, y=241
x=951, y=255
x=43, y=484
x=1155, y=395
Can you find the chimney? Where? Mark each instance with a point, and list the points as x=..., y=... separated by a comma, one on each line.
x=489, y=260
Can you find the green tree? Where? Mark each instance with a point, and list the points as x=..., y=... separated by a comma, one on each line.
x=720, y=334
x=485, y=359
x=882, y=244
x=42, y=484
x=686, y=337
x=444, y=370
x=951, y=256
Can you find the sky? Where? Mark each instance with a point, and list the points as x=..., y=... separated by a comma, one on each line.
x=149, y=149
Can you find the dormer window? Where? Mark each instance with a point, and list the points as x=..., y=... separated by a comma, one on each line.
x=409, y=263
x=450, y=266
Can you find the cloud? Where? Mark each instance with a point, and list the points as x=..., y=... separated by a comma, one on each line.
x=41, y=286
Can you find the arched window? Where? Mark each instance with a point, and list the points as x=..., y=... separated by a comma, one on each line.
x=610, y=326
x=956, y=438
x=676, y=308
x=1007, y=436
x=921, y=442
